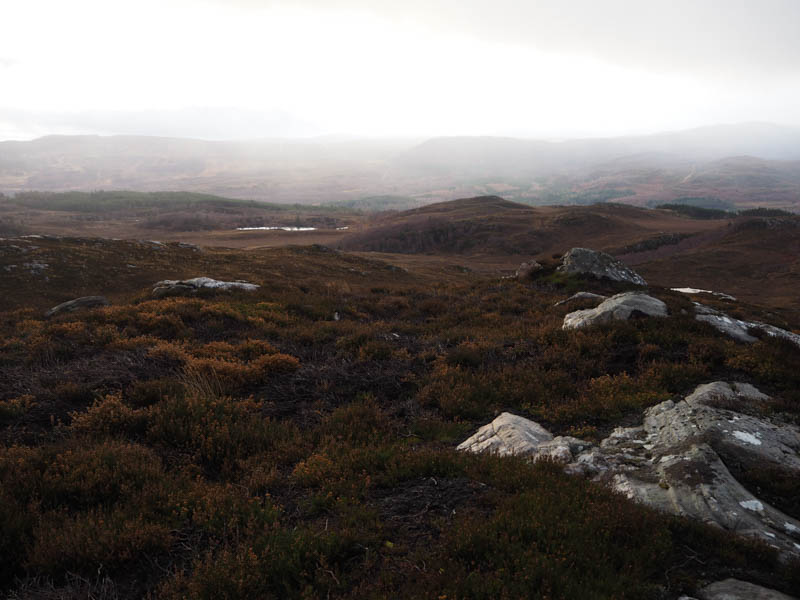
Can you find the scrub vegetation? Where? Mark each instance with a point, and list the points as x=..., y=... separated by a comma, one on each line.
x=299, y=441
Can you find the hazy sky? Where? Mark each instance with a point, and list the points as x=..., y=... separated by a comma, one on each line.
x=249, y=68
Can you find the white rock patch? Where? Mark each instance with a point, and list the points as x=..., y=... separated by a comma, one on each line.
x=754, y=505
x=748, y=438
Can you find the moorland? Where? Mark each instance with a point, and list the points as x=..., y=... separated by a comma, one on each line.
x=299, y=441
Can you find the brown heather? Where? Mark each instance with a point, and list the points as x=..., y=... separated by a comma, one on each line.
x=252, y=446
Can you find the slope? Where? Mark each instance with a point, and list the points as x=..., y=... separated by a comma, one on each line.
x=490, y=225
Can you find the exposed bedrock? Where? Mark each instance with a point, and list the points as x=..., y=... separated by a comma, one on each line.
x=738, y=329
x=189, y=287
x=583, y=261
x=734, y=589
x=619, y=307
x=679, y=459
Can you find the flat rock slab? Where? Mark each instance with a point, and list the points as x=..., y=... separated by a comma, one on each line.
x=738, y=329
x=584, y=261
x=617, y=308
x=77, y=304
x=189, y=287
x=734, y=589
x=694, y=291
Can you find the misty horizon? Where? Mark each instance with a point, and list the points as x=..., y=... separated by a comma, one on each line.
x=233, y=125
x=249, y=69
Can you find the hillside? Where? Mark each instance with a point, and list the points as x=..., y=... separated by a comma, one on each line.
x=170, y=216
x=757, y=259
x=754, y=258
x=493, y=226
x=299, y=441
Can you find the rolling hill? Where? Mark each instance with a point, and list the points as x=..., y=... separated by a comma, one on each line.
x=743, y=165
x=490, y=225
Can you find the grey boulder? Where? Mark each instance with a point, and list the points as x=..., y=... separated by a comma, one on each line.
x=583, y=261
x=508, y=435
x=619, y=307
x=512, y=435
x=735, y=589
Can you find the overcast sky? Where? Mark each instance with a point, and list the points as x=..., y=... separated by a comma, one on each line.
x=250, y=68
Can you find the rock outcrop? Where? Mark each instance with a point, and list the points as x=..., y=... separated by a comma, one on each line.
x=677, y=459
x=694, y=291
x=189, y=287
x=583, y=261
x=514, y=435
x=527, y=269
x=508, y=434
x=77, y=304
x=735, y=589
x=619, y=307
x=738, y=329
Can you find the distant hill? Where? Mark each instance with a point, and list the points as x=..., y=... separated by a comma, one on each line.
x=481, y=155
x=755, y=258
x=279, y=170
x=493, y=226
x=745, y=165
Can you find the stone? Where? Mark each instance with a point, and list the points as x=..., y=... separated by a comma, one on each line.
x=583, y=261
x=77, y=304
x=677, y=460
x=188, y=246
x=693, y=291
x=562, y=449
x=513, y=435
x=731, y=327
x=581, y=296
x=527, y=269
x=735, y=589
x=738, y=329
x=508, y=435
x=619, y=307
x=189, y=287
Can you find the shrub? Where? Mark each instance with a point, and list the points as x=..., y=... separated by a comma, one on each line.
x=149, y=392
x=220, y=432
x=281, y=564
x=168, y=353
x=95, y=540
x=360, y=422
x=15, y=407
x=77, y=477
x=108, y=417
